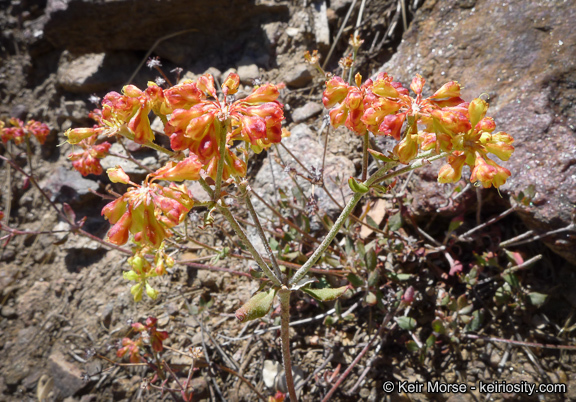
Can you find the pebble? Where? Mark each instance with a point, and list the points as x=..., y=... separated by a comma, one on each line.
x=310, y=109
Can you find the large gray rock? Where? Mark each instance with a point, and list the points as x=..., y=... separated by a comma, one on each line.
x=65, y=185
x=216, y=27
x=67, y=376
x=95, y=72
x=304, y=144
x=522, y=54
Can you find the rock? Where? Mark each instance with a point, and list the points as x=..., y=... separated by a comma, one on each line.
x=248, y=73
x=303, y=142
x=9, y=312
x=97, y=27
x=217, y=74
x=31, y=301
x=310, y=109
x=95, y=72
x=65, y=185
x=297, y=77
x=340, y=6
x=67, y=376
x=198, y=191
x=77, y=112
x=321, y=29
x=273, y=32
x=528, y=74
x=211, y=279
x=129, y=167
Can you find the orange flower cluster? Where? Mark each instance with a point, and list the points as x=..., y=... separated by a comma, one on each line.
x=195, y=119
x=199, y=118
x=443, y=121
x=148, y=334
x=20, y=131
x=88, y=161
x=149, y=210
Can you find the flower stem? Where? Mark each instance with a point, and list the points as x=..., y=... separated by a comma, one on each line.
x=284, y=296
x=260, y=231
x=255, y=254
x=380, y=175
x=126, y=133
x=365, y=155
x=221, y=160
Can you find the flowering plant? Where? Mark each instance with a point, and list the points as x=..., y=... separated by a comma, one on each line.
x=211, y=136
x=18, y=132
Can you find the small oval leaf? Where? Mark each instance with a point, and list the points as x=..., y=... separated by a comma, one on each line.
x=257, y=307
x=356, y=186
x=326, y=294
x=407, y=323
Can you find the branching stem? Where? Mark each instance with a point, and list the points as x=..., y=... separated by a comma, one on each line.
x=255, y=254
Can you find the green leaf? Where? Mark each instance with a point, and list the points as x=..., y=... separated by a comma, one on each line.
x=511, y=279
x=371, y=259
x=357, y=187
x=476, y=323
x=257, y=307
x=412, y=346
x=303, y=282
x=348, y=246
x=371, y=222
x=371, y=299
x=380, y=156
x=395, y=222
x=537, y=299
x=328, y=221
x=338, y=308
x=455, y=223
x=407, y=323
x=355, y=280
x=326, y=294
x=398, y=277
x=360, y=249
x=502, y=294
x=373, y=278
x=273, y=243
x=430, y=341
x=438, y=326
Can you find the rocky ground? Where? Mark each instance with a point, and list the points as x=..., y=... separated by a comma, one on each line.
x=63, y=294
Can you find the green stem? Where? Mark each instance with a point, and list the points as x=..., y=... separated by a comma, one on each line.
x=255, y=254
x=206, y=187
x=260, y=231
x=365, y=155
x=376, y=177
x=284, y=296
x=126, y=133
x=328, y=239
x=221, y=160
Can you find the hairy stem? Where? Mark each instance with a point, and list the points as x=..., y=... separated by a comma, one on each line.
x=284, y=296
x=260, y=231
x=255, y=254
x=221, y=161
x=126, y=133
x=365, y=156
x=380, y=175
